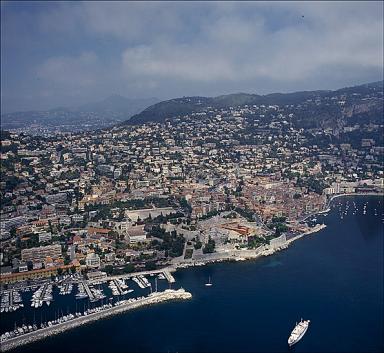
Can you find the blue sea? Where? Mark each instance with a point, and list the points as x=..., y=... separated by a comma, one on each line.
x=333, y=277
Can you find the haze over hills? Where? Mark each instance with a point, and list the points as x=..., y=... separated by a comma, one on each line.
x=108, y=111
x=319, y=109
x=118, y=103
x=179, y=107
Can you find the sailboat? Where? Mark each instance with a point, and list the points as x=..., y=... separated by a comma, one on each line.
x=209, y=282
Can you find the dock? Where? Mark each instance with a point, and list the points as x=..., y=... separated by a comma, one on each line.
x=169, y=277
x=90, y=294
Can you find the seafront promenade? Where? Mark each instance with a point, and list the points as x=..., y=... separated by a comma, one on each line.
x=154, y=298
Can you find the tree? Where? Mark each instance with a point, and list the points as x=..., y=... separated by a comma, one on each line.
x=210, y=246
x=108, y=269
x=129, y=268
x=198, y=244
x=150, y=265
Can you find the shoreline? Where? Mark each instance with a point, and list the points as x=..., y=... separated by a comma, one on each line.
x=244, y=255
x=328, y=202
x=170, y=294
x=154, y=298
x=355, y=194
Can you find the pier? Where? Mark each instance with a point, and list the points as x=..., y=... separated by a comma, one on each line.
x=169, y=277
x=90, y=294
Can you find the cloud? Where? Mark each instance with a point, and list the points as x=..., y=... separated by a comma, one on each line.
x=92, y=49
x=230, y=48
x=70, y=72
x=176, y=61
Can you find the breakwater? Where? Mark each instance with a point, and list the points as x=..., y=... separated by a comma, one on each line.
x=120, y=307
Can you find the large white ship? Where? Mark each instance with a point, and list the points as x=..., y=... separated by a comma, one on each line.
x=298, y=332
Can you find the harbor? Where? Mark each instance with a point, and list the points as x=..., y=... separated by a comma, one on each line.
x=24, y=335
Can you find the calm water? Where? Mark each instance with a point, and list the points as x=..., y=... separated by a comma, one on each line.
x=334, y=278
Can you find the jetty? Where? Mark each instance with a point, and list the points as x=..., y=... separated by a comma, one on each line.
x=90, y=294
x=169, y=277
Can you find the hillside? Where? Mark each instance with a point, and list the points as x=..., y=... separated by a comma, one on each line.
x=313, y=108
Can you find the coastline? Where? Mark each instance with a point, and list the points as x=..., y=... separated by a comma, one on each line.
x=154, y=298
x=355, y=194
x=327, y=205
x=243, y=255
x=169, y=294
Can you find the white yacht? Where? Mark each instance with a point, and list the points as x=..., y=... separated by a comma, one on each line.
x=298, y=332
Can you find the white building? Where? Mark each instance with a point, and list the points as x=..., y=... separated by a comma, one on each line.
x=92, y=260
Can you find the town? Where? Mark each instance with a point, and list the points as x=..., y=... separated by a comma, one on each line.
x=218, y=184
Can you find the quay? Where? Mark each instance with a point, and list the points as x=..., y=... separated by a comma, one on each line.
x=125, y=305
x=117, y=284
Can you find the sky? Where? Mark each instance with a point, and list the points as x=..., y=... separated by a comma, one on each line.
x=70, y=53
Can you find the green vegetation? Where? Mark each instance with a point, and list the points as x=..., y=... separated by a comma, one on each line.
x=209, y=247
x=278, y=223
x=247, y=214
x=188, y=254
x=198, y=244
x=255, y=242
x=111, y=270
x=210, y=214
x=150, y=265
x=172, y=243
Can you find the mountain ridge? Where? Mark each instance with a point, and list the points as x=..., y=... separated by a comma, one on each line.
x=178, y=107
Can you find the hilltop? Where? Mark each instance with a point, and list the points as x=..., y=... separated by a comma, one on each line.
x=315, y=114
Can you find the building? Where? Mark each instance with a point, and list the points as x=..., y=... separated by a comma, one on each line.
x=92, y=260
x=46, y=236
x=35, y=274
x=136, y=234
x=41, y=253
x=279, y=241
x=96, y=275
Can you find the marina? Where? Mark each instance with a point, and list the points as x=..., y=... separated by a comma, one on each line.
x=41, y=295
x=10, y=301
x=26, y=334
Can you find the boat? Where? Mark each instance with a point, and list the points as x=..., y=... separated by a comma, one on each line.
x=209, y=282
x=298, y=332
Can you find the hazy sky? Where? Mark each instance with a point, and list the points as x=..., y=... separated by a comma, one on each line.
x=69, y=53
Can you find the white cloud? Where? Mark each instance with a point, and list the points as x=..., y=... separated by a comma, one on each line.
x=66, y=72
x=93, y=49
x=231, y=48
